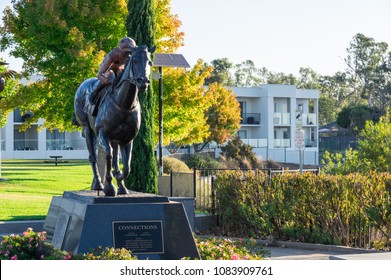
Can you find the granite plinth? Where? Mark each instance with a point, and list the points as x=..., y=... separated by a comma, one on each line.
x=151, y=226
x=93, y=197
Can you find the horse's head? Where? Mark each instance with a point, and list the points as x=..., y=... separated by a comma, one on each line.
x=140, y=63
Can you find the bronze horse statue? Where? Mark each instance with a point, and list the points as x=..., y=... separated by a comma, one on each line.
x=118, y=120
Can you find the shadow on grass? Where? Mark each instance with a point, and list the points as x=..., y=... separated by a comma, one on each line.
x=27, y=217
x=16, y=180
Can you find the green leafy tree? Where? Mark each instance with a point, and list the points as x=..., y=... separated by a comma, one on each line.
x=328, y=108
x=141, y=26
x=368, y=68
x=308, y=79
x=374, y=143
x=281, y=78
x=65, y=41
x=247, y=74
x=373, y=152
x=354, y=117
x=184, y=104
x=221, y=72
x=7, y=92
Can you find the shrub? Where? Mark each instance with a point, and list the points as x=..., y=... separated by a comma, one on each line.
x=328, y=209
x=32, y=245
x=29, y=246
x=241, y=153
x=203, y=161
x=174, y=165
x=107, y=253
x=227, y=249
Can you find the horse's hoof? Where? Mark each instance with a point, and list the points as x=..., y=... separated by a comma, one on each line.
x=110, y=190
x=97, y=186
x=122, y=191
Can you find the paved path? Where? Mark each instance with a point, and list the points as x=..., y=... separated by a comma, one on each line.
x=284, y=253
x=281, y=253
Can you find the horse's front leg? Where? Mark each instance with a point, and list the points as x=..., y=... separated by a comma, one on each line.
x=126, y=153
x=116, y=170
x=90, y=141
x=109, y=188
x=117, y=173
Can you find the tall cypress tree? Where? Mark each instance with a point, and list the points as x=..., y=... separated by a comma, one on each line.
x=140, y=25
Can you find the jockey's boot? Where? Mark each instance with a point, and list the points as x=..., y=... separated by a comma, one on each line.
x=95, y=97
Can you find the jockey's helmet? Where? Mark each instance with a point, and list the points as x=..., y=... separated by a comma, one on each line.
x=126, y=43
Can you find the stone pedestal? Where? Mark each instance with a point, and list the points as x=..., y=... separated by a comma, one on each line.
x=151, y=226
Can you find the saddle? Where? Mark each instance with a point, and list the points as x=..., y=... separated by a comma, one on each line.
x=101, y=92
x=98, y=98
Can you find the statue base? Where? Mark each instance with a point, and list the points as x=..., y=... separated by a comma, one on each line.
x=151, y=226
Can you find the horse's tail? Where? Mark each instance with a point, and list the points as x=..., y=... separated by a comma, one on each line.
x=74, y=120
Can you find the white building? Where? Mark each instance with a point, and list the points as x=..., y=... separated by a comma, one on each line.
x=37, y=142
x=271, y=116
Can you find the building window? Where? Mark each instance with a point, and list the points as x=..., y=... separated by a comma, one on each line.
x=312, y=134
x=243, y=109
x=55, y=140
x=26, y=140
x=242, y=134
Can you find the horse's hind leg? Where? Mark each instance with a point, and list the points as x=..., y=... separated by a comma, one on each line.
x=126, y=156
x=117, y=173
x=90, y=140
x=109, y=188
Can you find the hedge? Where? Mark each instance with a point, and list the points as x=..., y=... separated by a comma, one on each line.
x=351, y=210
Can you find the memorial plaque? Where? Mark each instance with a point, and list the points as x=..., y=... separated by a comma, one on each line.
x=60, y=230
x=140, y=237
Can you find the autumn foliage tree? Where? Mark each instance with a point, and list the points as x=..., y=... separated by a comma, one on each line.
x=65, y=41
x=223, y=114
x=184, y=104
x=194, y=113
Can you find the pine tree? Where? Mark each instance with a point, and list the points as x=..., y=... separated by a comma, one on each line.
x=140, y=25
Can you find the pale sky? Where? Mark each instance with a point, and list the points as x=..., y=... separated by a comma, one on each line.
x=281, y=35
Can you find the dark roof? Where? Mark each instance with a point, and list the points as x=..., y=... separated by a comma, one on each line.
x=170, y=60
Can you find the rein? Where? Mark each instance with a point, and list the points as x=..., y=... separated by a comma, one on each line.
x=129, y=77
x=119, y=108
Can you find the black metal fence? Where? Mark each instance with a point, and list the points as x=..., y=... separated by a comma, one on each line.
x=200, y=185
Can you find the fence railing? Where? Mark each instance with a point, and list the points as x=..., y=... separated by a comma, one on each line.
x=200, y=185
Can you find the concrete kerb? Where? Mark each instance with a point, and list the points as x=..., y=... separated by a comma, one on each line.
x=320, y=247
x=17, y=227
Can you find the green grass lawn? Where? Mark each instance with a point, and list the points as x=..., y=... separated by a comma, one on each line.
x=31, y=184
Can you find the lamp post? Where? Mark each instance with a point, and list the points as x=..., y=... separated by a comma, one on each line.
x=1, y=140
x=165, y=60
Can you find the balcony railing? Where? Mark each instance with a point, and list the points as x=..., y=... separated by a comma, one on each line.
x=62, y=144
x=26, y=145
x=309, y=119
x=255, y=143
x=251, y=118
x=282, y=143
x=282, y=119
